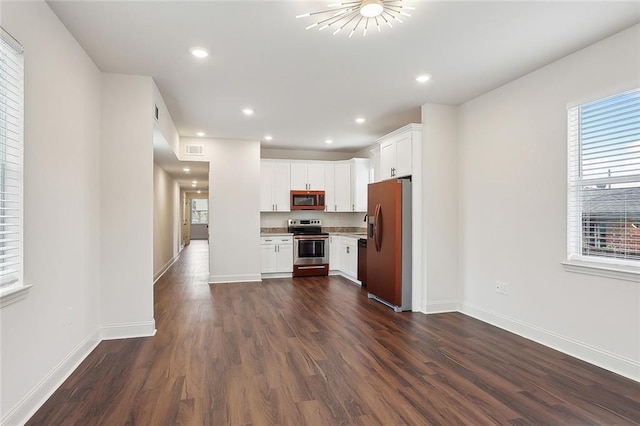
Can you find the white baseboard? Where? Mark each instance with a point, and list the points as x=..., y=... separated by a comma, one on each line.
x=442, y=306
x=165, y=268
x=127, y=331
x=338, y=272
x=277, y=275
x=607, y=360
x=37, y=396
x=229, y=279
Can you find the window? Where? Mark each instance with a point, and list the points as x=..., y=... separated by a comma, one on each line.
x=199, y=211
x=604, y=181
x=12, y=286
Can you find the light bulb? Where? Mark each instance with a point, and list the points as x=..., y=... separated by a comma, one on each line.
x=371, y=8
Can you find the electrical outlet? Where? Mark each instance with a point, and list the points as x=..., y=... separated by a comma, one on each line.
x=501, y=287
x=498, y=287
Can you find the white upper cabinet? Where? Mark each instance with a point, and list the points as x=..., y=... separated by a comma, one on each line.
x=396, y=150
x=307, y=176
x=342, y=186
x=344, y=182
x=274, y=186
x=359, y=182
x=329, y=187
x=346, y=185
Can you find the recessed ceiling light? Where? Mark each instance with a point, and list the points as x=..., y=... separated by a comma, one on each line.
x=328, y=141
x=268, y=137
x=193, y=185
x=199, y=52
x=199, y=192
x=423, y=78
x=360, y=120
x=247, y=111
x=186, y=170
x=200, y=133
x=194, y=182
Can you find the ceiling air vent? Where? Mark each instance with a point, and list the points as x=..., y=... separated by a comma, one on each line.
x=194, y=149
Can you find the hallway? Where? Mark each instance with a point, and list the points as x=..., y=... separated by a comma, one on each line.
x=314, y=351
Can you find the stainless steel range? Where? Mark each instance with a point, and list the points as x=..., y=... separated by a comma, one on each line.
x=310, y=247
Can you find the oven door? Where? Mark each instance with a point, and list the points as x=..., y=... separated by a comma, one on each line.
x=310, y=249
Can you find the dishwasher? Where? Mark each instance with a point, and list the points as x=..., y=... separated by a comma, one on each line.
x=362, y=261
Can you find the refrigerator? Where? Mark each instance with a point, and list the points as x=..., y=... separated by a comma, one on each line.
x=389, y=243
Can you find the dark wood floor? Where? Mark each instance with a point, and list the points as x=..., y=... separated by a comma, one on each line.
x=316, y=351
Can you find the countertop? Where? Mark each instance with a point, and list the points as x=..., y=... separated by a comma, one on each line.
x=355, y=232
x=350, y=234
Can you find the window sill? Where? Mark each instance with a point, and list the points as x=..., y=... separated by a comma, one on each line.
x=13, y=294
x=620, y=272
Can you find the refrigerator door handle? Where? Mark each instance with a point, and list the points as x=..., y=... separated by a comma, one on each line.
x=377, y=227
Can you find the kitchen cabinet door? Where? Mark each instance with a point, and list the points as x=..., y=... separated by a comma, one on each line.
x=307, y=176
x=396, y=152
x=299, y=176
x=403, y=157
x=349, y=256
x=281, y=188
x=329, y=189
x=274, y=186
x=284, y=255
x=359, y=182
x=334, y=252
x=315, y=176
x=342, y=184
x=269, y=262
x=266, y=186
x=387, y=159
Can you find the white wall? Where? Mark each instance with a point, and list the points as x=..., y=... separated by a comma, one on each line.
x=234, y=207
x=165, y=122
x=513, y=143
x=298, y=154
x=127, y=206
x=440, y=211
x=166, y=205
x=46, y=334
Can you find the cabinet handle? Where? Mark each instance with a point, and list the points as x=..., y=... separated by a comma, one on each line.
x=353, y=207
x=348, y=249
x=335, y=207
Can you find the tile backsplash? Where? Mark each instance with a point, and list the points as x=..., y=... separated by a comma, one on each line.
x=330, y=220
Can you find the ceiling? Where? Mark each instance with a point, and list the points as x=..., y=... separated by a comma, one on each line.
x=307, y=86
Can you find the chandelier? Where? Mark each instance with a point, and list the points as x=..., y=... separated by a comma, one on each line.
x=358, y=14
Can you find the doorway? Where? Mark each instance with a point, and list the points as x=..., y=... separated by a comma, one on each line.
x=199, y=219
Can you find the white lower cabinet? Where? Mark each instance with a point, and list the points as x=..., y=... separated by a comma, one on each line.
x=349, y=256
x=334, y=252
x=277, y=254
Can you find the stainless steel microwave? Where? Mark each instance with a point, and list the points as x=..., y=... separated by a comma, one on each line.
x=307, y=200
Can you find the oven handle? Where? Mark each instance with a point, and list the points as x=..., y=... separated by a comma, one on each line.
x=312, y=267
x=310, y=237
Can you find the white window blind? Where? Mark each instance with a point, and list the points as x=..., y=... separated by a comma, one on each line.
x=604, y=180
x=11, y=161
